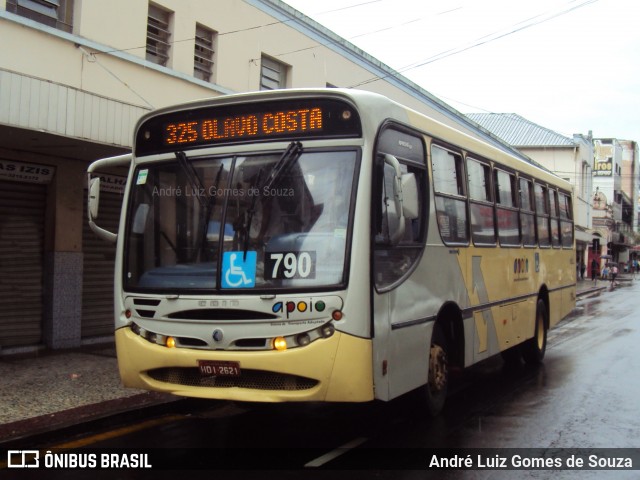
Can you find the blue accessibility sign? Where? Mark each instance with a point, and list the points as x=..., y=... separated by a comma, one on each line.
x=239, y=270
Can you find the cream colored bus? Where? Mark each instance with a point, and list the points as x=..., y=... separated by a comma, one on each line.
x=328, y=245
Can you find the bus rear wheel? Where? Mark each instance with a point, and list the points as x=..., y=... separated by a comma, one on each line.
x=435, y=391
x=533, y=350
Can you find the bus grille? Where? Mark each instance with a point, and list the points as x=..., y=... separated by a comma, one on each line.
x=253, y=379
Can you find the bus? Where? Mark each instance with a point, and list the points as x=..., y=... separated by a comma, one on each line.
x=328, y=245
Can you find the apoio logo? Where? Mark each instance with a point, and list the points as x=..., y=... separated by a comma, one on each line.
x=521, y=266
x=289, y=307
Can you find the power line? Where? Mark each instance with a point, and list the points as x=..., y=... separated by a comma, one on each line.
x=355, y=5
x=255, y=27
x=246, y=29
x=191, y=39
x=91, y=58
x=478, y=42
x=447, y=53
x=415, y=20
x=373, y=32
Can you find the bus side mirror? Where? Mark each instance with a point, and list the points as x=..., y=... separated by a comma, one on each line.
x=395, y=216
x=93, y=200
x=410, y=202
x=94, y=197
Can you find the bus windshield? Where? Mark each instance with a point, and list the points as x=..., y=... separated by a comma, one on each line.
x=255, y=222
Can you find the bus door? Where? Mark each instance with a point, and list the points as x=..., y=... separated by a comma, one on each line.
x=400, y=335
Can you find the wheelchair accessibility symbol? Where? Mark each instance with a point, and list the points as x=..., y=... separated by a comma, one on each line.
x=238, y=272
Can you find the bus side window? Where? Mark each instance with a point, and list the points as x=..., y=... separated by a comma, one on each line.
x=542, y=215
x=555, y=221
x=451, y=204
x=506, y=208
x=566, y=220
x=481, y=203
x=527, y=216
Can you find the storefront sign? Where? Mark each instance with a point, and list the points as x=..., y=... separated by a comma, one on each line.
x=603, y=158
x=112, y=183
x=603, y=168
x=26, y=172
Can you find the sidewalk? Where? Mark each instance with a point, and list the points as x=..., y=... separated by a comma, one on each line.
x=45, y=391
x=49, y=390
x=586, y=287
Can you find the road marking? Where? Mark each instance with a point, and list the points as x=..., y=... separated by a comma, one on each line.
x=118, y=432
x=327, y=457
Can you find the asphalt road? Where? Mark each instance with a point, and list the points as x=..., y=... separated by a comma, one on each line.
x=585, y=396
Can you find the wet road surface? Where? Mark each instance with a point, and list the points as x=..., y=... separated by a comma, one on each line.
x=585, y=395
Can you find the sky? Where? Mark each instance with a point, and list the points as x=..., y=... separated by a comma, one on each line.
x=571, y=66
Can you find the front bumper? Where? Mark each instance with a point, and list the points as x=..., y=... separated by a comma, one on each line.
x=337, y=369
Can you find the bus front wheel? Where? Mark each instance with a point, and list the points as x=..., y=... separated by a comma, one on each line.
x=533, y=349
x=435, y=391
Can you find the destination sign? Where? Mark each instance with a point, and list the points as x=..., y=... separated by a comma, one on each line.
x=246, y=122
x=257, y=125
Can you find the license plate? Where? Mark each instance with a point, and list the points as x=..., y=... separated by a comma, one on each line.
x=212, y=368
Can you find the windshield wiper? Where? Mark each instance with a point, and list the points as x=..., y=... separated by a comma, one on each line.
x=207, y=201
x=194, y=179
x=290, y=155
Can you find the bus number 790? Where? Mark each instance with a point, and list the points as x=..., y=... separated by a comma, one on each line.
x=288, y=265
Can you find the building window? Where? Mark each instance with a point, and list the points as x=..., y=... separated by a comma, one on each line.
x=158, y=35
x=54, y=13
x=204, y=53
x=273, y=74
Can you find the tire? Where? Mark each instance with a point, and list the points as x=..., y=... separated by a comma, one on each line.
x=436, y=388
x=533, y=350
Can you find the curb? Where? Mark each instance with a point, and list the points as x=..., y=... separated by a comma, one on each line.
x=589, y=292
x=68, y=419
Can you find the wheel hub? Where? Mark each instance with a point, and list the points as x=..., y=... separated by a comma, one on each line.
x=437, y=369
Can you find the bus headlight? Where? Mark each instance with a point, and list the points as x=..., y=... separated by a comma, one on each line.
x=303, y=339
x=280, y=344
x=327, y=330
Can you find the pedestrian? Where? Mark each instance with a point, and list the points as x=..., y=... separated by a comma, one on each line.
x=594, y=271
x=614, y=274
x=583, y=267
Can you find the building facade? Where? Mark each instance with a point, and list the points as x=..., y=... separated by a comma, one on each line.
x=616, y=178
x=75, y=76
